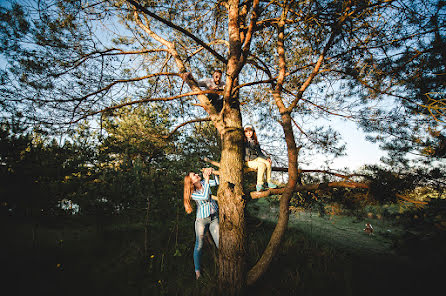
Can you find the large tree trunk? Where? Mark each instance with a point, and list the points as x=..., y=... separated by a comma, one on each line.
x=232, y=251
x=232, y=266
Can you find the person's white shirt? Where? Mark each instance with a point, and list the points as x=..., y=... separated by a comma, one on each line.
x=209, y=83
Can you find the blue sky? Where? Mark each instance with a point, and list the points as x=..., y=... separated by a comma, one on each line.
x=359, y=151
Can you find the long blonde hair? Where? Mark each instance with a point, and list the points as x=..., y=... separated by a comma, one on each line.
x=188, y=189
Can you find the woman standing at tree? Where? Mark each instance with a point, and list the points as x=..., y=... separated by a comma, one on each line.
x=256, y=159
x=207, y=210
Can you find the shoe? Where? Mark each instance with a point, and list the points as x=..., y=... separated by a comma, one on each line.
x=197, y=274
x=272, y=185
x=259, y=188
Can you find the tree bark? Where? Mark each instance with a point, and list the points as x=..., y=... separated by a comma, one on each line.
x=232, y=250
x=232, y=266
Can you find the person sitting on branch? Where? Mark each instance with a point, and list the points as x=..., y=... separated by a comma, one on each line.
x=256, y=159
x=214, y=83
x=207, y=210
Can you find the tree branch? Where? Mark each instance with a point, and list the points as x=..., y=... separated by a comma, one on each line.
x=416, y=202
x=107, y=87
x=185, y=123
x=107, y=52
x=251, y=28
x=310, y=187
x=179, y=29
x=285, y=170
x=318, y=106
x=144, y=101
x=313, y=74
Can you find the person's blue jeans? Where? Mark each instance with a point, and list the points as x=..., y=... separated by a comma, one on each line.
x=201, y=225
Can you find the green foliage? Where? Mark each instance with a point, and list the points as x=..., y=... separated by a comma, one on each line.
x=129, y=166
x=138, y=133
x=33, y=169
x=385, y=183
x=416, y=125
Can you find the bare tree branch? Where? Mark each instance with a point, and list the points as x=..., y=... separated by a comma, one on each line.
x=408, y=199
x=313, y=74
x=109, y=86
x=178, y=28
x=144, y=101
x=310, y=187
x=185, y=123
x=285, y=170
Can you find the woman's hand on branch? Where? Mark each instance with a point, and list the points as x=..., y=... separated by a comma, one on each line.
x=206, y=173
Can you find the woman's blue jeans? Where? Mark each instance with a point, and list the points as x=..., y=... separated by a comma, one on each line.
x=201, y=225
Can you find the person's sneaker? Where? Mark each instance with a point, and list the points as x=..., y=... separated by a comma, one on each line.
x=259, y=188
x=272, y=185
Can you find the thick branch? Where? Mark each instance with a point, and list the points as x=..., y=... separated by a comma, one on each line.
x=277, y=93
x=416, y=202
x=311, y=187
x=249, y=34
x=179, y=29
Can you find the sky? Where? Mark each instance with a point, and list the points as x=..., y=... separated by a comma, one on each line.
x=359, y=151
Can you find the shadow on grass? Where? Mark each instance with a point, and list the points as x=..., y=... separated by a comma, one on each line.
x=70, y=256
x=333, y=256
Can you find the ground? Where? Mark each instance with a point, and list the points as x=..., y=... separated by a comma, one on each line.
x=338, y=257
x=319, y=255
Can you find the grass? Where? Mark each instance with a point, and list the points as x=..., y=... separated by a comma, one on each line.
x=318, y=256
x=333, y=255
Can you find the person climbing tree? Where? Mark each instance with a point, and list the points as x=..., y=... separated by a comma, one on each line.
x=214, y=83
x=207, y=210
x=256, y=159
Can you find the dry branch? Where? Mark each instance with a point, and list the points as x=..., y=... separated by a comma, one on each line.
x=285, y=170
x=192, y=93
x=310, y=187
x=179, y=29
x=405, y=198
x=183, y=124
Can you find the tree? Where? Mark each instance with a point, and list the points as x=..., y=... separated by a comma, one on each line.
x=296, y=60
x=34, y=167
x=412, y=74
x=138, y=131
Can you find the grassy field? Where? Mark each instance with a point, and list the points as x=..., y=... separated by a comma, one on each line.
x=319, y=255
x=340, y=231
x=332, y=254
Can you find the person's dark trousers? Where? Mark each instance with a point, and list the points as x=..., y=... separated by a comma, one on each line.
x=216, y=101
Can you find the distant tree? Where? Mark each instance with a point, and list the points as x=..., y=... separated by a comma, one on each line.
x=33, y=170
x=139, y=132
